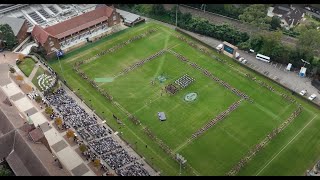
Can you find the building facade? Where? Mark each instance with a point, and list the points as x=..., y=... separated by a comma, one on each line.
x=61, y=35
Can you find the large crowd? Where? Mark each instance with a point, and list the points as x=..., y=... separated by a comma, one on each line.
x=99, y=142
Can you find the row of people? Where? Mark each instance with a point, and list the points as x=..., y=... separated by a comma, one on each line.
x=220, y=117
x=262, y=144
x=141, y=62
x=208, y=74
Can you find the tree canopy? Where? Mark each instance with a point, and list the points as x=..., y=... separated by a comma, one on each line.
x=256, y=15
x=7, y=36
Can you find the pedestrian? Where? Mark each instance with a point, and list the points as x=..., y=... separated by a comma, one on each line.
x=4, y=55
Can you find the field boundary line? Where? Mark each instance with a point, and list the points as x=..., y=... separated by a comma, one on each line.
x=286, y=145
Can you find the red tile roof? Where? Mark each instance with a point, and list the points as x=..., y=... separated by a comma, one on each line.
x=81, y=22
x=39, y=34
x=73, y=25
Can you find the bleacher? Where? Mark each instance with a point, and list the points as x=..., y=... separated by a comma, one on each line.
x=53, y=10
x=36, y=17
x=44, y=13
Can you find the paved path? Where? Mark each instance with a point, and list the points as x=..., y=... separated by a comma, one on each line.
x=34, y=71
x=27, y=107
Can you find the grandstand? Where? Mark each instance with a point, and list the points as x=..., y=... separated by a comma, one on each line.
x=44, y=15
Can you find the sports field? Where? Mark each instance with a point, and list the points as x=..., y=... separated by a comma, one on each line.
x=140, y=92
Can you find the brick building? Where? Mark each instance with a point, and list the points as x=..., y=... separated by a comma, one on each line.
x=18, y=26
x=59, y=36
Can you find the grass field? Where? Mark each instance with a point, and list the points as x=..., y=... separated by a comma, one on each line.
x=26, y=66
x=223, y=145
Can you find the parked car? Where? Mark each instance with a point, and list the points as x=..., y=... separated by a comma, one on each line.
x=244, y=61
x=241, y=59
x=312, y=97
x=303, y=92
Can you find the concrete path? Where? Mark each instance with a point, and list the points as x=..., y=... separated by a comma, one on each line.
x=34, y=71
x=27, y=107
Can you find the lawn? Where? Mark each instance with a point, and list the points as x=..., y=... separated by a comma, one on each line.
x=223, y=145
x=26, y=66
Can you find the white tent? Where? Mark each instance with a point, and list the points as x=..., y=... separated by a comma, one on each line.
x=302, y=72
x=289, y=67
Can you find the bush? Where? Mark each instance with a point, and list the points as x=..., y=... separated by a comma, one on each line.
x=48, y=110
x=12, y=70
x=38, y=99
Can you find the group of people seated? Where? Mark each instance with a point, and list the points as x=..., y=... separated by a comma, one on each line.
x=184, y=81
x=135, y=169
x=100, y=143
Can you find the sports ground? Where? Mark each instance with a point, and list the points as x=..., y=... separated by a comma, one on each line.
x=140, y=93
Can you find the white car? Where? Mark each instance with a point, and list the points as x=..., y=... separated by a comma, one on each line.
x=241, y=59
x=312, y=97
x=303, y=92
x=244, y=61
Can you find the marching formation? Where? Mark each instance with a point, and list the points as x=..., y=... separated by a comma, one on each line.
x=264, y=142
x=220, y=117
x=208, y=74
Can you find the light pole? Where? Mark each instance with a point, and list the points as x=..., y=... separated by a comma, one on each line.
x=177, y=6
x=305, y=62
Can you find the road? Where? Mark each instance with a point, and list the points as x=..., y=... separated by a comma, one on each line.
x=219, y=19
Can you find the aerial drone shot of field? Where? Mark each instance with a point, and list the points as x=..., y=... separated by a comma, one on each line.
x=159, y=90
x=168, y=94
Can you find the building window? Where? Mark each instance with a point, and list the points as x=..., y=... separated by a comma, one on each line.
x=114, y=17
x=51, y=43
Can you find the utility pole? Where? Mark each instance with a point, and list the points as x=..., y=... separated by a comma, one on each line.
x=177, y=15
x=305, y=62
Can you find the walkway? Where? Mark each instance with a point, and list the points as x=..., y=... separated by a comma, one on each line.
x=130, y=151
x=61, y=148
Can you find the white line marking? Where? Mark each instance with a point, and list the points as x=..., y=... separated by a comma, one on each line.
x=286, y=145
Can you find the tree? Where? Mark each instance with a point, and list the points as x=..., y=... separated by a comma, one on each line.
x=19, y=77
x=48, y=110
x=270, y=40
x=12, y=70
x=83, y=148
x=157, y=9
x=309, y=40
x=38, y=99
x=275, y=23
x=58, y=121
x=7, y=35
x=4, y=171
x=70, y=133
x=21, y=57
x=256, y=15
x=96, y=163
